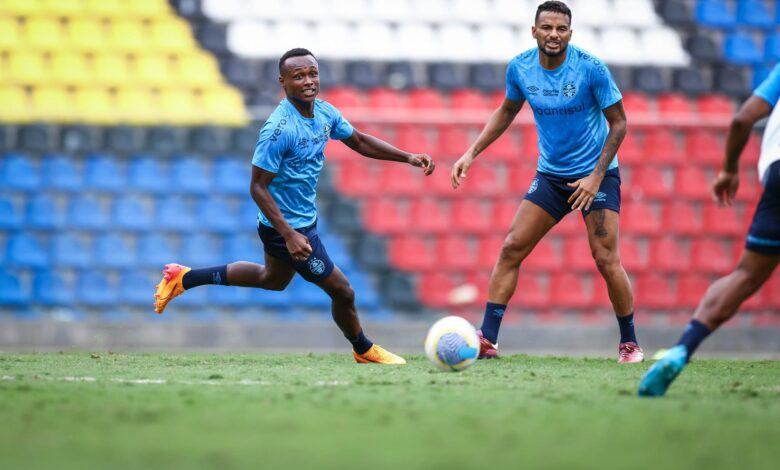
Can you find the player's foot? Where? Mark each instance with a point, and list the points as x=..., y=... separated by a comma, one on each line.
x=630, y=353
x=662, y=374
x=378, y=355
x=487, y=350
x=170, y=286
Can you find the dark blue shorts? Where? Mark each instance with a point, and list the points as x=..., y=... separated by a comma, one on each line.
x=315, y=269
x=551, y=193
x=764, y=234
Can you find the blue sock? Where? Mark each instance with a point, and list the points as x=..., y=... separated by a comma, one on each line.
x=626, y=325
x=199, y=277
x=360, y=344
x=693, y=335
x=492, y=321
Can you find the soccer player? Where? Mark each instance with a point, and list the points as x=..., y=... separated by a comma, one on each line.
x=580, y=120
x=762, y=248
x=286, y=164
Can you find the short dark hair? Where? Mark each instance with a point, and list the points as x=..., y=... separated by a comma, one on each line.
x=297, y=52
x=554, y=6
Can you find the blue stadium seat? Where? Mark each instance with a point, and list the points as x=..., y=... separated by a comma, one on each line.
x=199, y=250
x=112, y=251
x=94, y=289
x=216, y=215
x=366, y=296
x=197, y=297
x=231, y=175
x=268, y=299
x=754, y=13
x=102, y=172
x=173, y=213
x=229, y=296
x=136, y=289
x=242, y=248
x=740, y=48
x=146, y=173
x=247, y=213
x=68, y=250
x=43, y=213
x=486, y=77
x=50, y=289
x=60, y=173
x=11, y=290
x=17, y=171
x=308, y=295
x=772, y=48
x=130, y=213
x=25, y=250
x=10, y=216
x=189, y=175
x=87, y=213
x=155, y=251
x=715, y=14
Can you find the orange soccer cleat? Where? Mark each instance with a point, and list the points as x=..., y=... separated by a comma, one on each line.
x=378, y=355
x=170, y=286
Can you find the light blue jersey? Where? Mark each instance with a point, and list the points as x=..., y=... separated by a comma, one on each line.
x=567, y=104
x=291, y=146
x=769, y=91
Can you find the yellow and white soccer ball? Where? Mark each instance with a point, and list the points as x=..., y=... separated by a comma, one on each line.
x=452, y=344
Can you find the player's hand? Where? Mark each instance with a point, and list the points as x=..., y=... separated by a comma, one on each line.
x=724, y=188
x=586, y=191
x=423, y=161
x=460, y=168
x=299, y=247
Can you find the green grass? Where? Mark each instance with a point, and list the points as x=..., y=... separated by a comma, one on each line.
x=324, y=411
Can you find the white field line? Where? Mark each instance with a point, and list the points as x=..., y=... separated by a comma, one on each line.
x=319, y=383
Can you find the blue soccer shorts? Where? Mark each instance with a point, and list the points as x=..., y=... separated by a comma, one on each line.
x=764, y=234
x=552, y=193
x=315, y=268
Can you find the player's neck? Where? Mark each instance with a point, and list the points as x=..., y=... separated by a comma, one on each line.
x=552, y=62
x=305, y=108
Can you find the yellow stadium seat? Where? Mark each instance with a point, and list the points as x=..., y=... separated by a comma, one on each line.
x=19, y=7
x=44, y=34
x=106, y=8
x=28, y=68
x=111, y=69
x=179, y=106
x=152, y=70
x=224, y=105
x=87, y=34
x=16, y=107
x=172, y=35
x=95, y=105
x=9, y=34
x=199, y=70
x=53, y=104
x=137, y=106
x=129, y=35
x=70, y=68
x=148, y=8
x=65, y=8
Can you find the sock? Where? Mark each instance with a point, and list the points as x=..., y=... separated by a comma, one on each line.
x=626, y=325
x=360, y=343
x=693, y=335
x=199, y=277
x=492, y=321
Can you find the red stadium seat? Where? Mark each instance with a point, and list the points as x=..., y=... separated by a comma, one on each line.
x=692, y=183
x=757, y=301
x=431, y=216
x=691, y=288
x=344, y=97
x=704, y=147
x=439, y=184
x=412, y=253
x=484, y=180
x=655, y=291
x=338, y=152
x=356, y=178
x=489, y=250
x=722, y=221
x=571, y=225
x=631, y=151
x=416, y=139
x=435, y=288
x=384, y=216
x=662, y=145
x=715, y=106
x=668, y=254
x=467, y=99
x=568, y=290
x=426, y=98
x=456, y=252
x=577, y=253
x=385, y=98
x=471, y=216
x=682, y=218
x=531, y=292
x=650, y=182
x=480, y=281
x=640, y=218
x=631, y=255
x=675, y=105
x=635, y=102
x=504, y=149
x=400, y=179
x=752, y=150
x=772, y=292
x=519, y=178
x=544, y=257
x=504, y=211
x=453, y=142
x=711, y=256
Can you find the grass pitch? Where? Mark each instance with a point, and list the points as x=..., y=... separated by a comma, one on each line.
x=133, y=411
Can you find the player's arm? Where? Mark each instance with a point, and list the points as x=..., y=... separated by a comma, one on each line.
x=587, y=187
x=724, y=188
x=495, y=126
x=297, y=244
x=372, y=147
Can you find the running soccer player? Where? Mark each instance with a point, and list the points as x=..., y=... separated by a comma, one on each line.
x=580, y=120
x=286, y=164
x=762, y=248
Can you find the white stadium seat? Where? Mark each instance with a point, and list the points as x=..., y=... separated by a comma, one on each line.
x=513, y=12
x=375, y=41
x=458, y=43
x=397, y=11
x=335, y=40
x=348, y=10
x=498, y=43
x=661, y=46
x=591, y=13
x=250, y=39
x=636, y=13
x=223, y=11
x=433, y=11
x=417, y=41
x=586, y=38
x=619, y=45
x=471, y=11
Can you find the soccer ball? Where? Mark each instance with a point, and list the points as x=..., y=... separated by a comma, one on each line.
x=452, y=344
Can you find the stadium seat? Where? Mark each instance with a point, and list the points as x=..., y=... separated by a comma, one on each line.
x=731, y=81
x=111, y=69
x=715, y=14
x=174, y=214
x=577, y=254
x=722, y=221
x=426, y=99
x=489, y=250
x=640, y=218
x=213, y=37
x=430, y=216
x=385, y=99
x=189, y=175
x=569, y=291
x=412, y=253
x=123, y=139
x=691, y=81
x=146, y=173
x=18, y=171
x=692, y=183
x=131, y=214
x=371, y=252
x=711, y=256
x=675, y=105
x=86, y=34
x=682, y=218
x=12, y=292
x=155, y=251
x=669, y=254
x=363, y=75
x=631, y=150
x=43, y=213
x=472, y=217
x=632, y=255
x=741, y=49
x=531, y=292
x=456, y=253
x=691, y=289
x=663, y=146
x=226, y=296
x=434, y=289
x=113, y=251
x=10, y=33
x=453, y=141
x=485, y=77
x=703, y=147
x=94, y=289
x=519, y=179
x=10, y=215
x=651, y=80
x=16, y=107
x=650, y=183
x=241, y=247
x=384, y=216
x=69, y=251
x=703, y=48
x=172, y=35
x=26, y=251
x=546, y=257
x=135, y=288
x=772, y=48
x=217, y=215
x=655, y=291
x=103, y=173
x=231, y=175
x=198, y=250
x=754, y=14
x=714, y=105
x=401, y=180
x=78, y=138
x=50, y=289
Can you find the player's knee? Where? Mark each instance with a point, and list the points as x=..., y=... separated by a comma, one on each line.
x=343, y=293
x=605, y=259
x=513, y=249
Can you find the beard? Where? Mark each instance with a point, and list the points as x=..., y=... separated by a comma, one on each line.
x=560, y=50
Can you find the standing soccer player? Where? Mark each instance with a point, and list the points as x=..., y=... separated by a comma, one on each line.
x=287, y=162
x=580, y=120
x=762, y=248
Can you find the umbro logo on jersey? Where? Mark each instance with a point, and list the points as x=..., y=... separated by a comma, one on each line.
x=532, y=90
x=600, y=197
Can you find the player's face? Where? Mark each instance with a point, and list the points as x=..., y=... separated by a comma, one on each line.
x=552, y=33
x=301, y=78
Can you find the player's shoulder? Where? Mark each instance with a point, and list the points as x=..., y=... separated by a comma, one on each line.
x=323, y=106
x=278, y=122
x=525, y=59
x=583, y=58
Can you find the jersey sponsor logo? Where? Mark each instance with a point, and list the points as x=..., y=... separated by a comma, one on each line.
x=534, y=185
x=559, y=111
x=550, y=92
x=569, y=90
x=316, y=266
x=600, y=197
x=278, y=131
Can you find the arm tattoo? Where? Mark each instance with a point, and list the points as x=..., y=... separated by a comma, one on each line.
x=601, y=230
x=611, y=144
